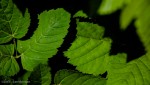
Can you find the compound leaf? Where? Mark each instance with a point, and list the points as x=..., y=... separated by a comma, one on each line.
x=12, y=23
x=89, y=52
x=47, y=38
x=136, y=72
x=8, y=64
x=69, y=77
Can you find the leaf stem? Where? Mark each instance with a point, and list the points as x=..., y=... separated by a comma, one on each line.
x=18, y=56
x=15, y=48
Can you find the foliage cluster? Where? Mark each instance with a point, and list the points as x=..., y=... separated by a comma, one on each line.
x=89, y=52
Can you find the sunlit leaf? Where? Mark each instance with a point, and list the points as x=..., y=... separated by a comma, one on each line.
x=136, y=72
x=47, y=38
x=90, y=51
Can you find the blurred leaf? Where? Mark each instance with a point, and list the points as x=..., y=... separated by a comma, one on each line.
x=110, y=6
x=134, y=10
x=143, y=28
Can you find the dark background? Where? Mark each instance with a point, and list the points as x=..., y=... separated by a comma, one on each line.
x=123, y=41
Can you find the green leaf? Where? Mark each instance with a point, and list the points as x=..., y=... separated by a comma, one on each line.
x=136, y=72
x=80, y=14
x=68, y=77
x=25, y=78
x=89, y=52
x=134, y=10
x=143, y=25
x=8, y=64
x=40, y=76
x=47, y=38
x=110, y=6
x=12, y=23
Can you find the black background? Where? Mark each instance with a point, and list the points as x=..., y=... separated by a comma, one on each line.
x=123, y=41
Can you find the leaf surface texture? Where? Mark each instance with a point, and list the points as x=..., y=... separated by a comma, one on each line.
x=47, y=38
x=90, y=51
x=136, y=72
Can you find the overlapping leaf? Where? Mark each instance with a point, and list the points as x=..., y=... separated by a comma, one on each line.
x=40, y=76
x=12, y=23
x=47, y=38
x=8, y=64
x=66, y=77
x=90, y=51
x=136, y=72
